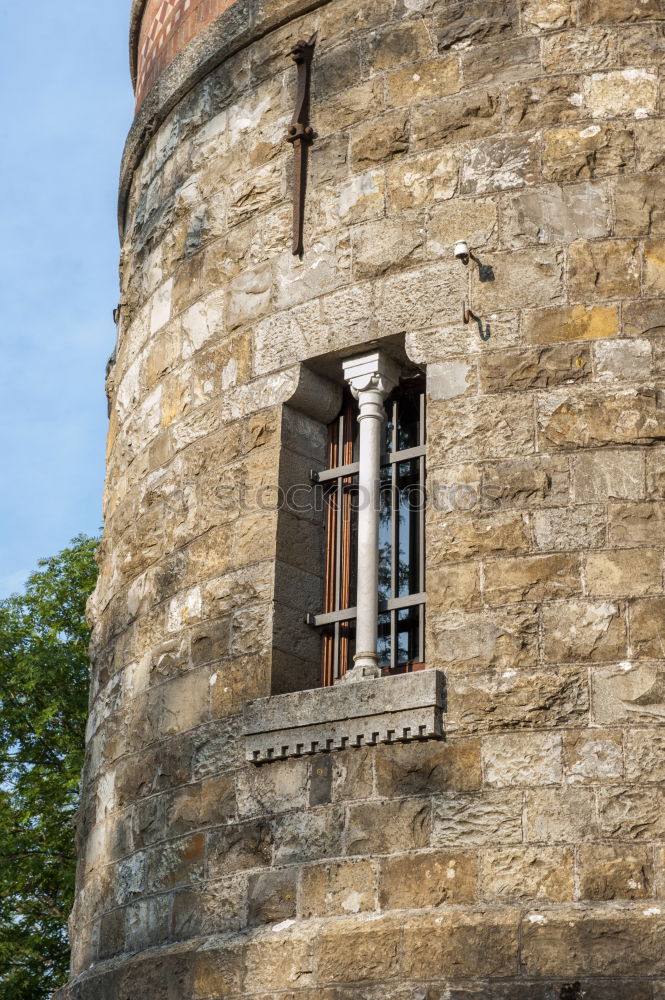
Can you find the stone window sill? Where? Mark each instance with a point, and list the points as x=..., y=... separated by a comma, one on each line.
x=400, y=709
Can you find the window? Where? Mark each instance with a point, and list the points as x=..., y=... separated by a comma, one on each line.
x=399, y=531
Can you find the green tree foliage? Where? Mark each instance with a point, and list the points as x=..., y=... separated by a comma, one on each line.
x=44, y=683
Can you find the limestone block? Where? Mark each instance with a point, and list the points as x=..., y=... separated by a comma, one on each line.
x=644, y=755
x=594, y=941
x=471, y=115
x=420, y=298
x=388, y=827
x=258, y=191
x=249, y=296
x=555, y=215
x=586, y=419
x=626, y=573
x=130, y=878
x=583, y=631
x=339, y=111
x=361, y=198
x=263, y=791
x=460, y=536
x=577, y=528
x=359, y=950
x=630, y=813
x=272, y=897
x=467, y=820
x=631, y=92
x=423, y=179
x=461, y=24
x=308, y=836
x=239, y=847
x=424, y=81
x=650, y=145
x=638, y=205
x=427, y=879
x=278, y=961
x=147, y=923
x=461, y=944
x=647, y=638
x=455, y=587
x=539, y=482
x=636, y=524
x=175, y=864
x=185, y=702
x=501, y=164
x=593, y=755
x=608, y=475
x=575, y=153
x=218, y=970
x=353, y=774
x=512, y=874
x=623, y=359
x=520, y=369
x=608, y=872
x=533, y=578
x=500, y=637
x=483, y=427
x=205, y=803
x=556, y=815
x=654, y=267
x=522, y=759
x=551, y=101
x=605, y=270
x=476, y=220
x=547, y=15
x=387, y=47
x=502, y=62
x=379, y=139
x=387, y=245
x=618, y=11
x=424, y=768
x=337, y=888
x=500, y=698
x=655, y=472
x=628, y=692
x=593, y=48
x=570, y=323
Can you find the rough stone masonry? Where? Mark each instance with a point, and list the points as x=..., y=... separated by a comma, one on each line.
x=523, y=856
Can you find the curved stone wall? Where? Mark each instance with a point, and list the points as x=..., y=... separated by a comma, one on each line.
x=522, y=858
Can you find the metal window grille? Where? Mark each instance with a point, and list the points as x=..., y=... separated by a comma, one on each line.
x=402, y=596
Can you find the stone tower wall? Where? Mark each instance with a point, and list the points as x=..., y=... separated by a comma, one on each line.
x=524, y=857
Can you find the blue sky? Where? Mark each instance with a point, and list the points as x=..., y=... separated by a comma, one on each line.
x=67, y=107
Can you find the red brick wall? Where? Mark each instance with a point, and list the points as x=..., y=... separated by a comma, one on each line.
x=166, y=28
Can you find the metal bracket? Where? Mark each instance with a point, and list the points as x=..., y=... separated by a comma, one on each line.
x=301, y=135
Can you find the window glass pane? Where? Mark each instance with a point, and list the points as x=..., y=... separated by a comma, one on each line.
x=410, y=506
x=384, y=640
x=407, y=635
x=408, y=422
x=385, y=535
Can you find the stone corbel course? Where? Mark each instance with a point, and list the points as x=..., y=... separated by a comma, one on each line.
x=399, y=709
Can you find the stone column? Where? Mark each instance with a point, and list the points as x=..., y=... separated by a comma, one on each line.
x=372, y=377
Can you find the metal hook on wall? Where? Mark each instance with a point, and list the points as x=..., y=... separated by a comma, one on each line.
x=468, y=315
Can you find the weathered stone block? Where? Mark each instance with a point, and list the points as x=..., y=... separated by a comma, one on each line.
x=425, y=768
x=630, y=359
x=467, y=820
x=501, y=637
x=308, y=836
x=595, y=941
x=461, y=24
x=573, y=154
x=424, y=179
x=401, y=43
x=585, y=418
x=628, y=692
x=593, y=755
x=511, y=874
x=522, y=759
x=281, y=961
x=632, y=813
x=608, y=872
x=272, y=897
x=647, y=636
x=618, y=11
x=532, y=578
x=547, y=326
x=583, y=631
x=356, y=951
x=239, y=847
x=555, y=215
x=538, y=369
x=387, y=827
x=631, y=92
x=338, y=888
x=561, y=530
x=645, y=755
x=387, y=245
x=554, y=100
x=606, y=270
x=461, y=536
x=379, y=139
x=461, y=944
x=424, y=81
x=637, y=524
x=476, y=218
x=654, y=267
x=455, y=587
x=627, y=573
x=566, y=816
x=540, y=482
x=424, y=880
x=473, y=428
x=503, y=698
x=469, y=116
x=547, y=15
x=501, y=164
x=593, y=48
x=649, y=145
x=218, y=971
x=638, y=205
x=608, y=475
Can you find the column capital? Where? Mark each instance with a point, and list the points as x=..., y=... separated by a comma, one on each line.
x=372, y=372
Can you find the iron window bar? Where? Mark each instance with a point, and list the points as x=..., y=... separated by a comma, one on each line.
x=349, y=614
